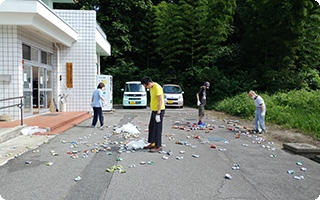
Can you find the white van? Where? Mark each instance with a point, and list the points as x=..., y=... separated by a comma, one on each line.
x=134, y=94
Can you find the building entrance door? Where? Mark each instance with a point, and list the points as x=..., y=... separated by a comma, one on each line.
x=42, y=89
x=27, y=90
x=37, y=87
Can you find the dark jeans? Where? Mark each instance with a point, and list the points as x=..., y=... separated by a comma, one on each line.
x=97, y=112
x=155, y=129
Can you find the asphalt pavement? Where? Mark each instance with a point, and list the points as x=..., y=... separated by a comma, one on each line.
x=259, y=176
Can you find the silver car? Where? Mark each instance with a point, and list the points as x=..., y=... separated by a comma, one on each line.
x=173, y=95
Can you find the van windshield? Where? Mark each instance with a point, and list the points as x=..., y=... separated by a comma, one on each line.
x=134, y=87
x=171, y=89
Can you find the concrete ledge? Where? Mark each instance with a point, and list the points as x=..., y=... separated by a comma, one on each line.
x=9, y=133
x=301, y=148
x=317, y=158
x=5, y=118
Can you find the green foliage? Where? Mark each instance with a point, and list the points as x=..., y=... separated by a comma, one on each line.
x=298, y=109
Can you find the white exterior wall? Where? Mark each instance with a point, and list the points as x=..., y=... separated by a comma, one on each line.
x=10, y=64
x=11, y=40
x=83, y=56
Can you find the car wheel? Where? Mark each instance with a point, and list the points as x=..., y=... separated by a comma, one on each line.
x=124, y=107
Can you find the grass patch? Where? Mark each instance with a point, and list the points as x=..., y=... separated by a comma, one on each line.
x=295, y=109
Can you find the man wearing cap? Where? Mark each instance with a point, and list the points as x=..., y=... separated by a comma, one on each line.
x=202, y=100
x=157, y=112
x=260, y=112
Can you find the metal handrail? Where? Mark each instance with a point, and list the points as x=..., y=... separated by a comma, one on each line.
x=20, y=105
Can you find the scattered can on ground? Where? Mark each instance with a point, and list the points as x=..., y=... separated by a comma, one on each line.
x=228, y=176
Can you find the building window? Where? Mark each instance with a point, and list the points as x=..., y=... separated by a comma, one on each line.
x=34, y=55
x=43, y=57
x=49, y=59
x=26, y=52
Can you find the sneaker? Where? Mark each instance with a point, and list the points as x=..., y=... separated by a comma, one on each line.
x=254, y=131
x=201, y=124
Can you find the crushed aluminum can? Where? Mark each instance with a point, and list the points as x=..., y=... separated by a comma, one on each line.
x=179, y=157
x=49, y=163
x=245, y=145
x=298, y=177
x=299, y=163
x=28, y=162
x=169, y=153
x=227, y=176
x=290, y=171
x=303, y=169
x=195, y=156
x=222, y=150
x=78, y=178
x=165, y=157
x=272, y=156
x=150, y=162
x=182, y=152
x=143, y=162
x=132, y=165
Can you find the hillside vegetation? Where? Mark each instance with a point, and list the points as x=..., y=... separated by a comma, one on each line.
x=298, y=109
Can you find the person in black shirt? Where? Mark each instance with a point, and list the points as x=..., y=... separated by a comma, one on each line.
x=202, y=100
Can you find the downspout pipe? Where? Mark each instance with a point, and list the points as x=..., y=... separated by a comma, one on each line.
x=58, y=74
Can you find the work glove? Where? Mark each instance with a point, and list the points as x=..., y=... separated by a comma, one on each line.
x=263, y=115
x=158, y=118
x=198, y=103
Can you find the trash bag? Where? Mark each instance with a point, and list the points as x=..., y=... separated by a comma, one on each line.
x=136, y=144
x=130, y=128
x=32, y=129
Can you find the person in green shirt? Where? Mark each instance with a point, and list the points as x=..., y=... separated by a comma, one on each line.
x=157, y=112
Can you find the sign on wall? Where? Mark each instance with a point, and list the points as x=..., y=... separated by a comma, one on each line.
x=69, y=75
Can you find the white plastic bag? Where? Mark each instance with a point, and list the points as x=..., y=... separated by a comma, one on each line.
x=136, y=145
x=130, y=128
x=32, y=129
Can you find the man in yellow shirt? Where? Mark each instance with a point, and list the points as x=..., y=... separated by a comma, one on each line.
x=157, y=113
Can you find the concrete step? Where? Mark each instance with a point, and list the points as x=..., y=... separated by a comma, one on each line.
x=317, y=158
x=5, y=117
x=9, y=133
x=303, y=149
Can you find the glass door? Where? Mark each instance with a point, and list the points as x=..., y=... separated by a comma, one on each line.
x=35, y=90
x=42, y=90
x=49, y=90
x=27, y=90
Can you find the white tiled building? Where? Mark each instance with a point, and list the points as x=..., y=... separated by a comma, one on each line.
x=38, y=45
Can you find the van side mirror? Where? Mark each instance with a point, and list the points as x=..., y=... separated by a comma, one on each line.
x=182, y=92
x=122, y=89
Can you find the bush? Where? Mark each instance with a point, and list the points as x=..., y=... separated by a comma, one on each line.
x=296, y=109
